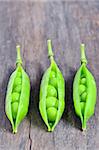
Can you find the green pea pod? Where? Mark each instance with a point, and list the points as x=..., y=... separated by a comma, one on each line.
x=18, y=93
x=52, y=91
x=84, y=91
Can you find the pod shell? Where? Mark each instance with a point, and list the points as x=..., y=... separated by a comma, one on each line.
x=43, y=94
x=91, y=95
x=24, y=98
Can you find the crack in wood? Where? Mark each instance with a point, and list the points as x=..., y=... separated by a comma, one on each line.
x=30, y=139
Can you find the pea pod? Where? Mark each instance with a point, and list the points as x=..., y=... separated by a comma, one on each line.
x=84, y=91
x=52, y=87
x=18, y=92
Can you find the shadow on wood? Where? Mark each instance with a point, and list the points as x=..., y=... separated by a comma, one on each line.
x=5, y=123
x=34, y=114
x=69, y=113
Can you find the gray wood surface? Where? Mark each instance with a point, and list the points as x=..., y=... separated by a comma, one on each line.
x=31, y=24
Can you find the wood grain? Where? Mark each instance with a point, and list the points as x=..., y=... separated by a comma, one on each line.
x=31, y=24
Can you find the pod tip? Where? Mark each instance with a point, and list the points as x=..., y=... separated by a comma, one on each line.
x=49, y=130
x=83, y=129
x=14, y=131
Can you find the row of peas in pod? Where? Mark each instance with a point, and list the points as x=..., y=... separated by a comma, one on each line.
x=52, y=98
x=52, y=92
x=83, y=92
x=16, y=92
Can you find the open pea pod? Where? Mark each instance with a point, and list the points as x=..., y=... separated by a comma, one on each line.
x=84, y=91
x=52, y=91
x=18, y=92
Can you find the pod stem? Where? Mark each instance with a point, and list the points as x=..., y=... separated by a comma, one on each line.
x=18, y=60
x=50, y=52
x=83, y=56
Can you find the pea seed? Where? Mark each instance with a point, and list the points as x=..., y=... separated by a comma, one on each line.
x=18, y=88
x=14, y=109
x=83, y=76
x=52, y=74
x=51, y=113
x=54, y=69
x=83, y=80
x=53, y=81
x=82, y=88
x=17, y=81
x=51, y=124
x=51, y=91
x=83, y=97
x=15, y=96
x=19, y=74
x=51, y=102
x=82, y=104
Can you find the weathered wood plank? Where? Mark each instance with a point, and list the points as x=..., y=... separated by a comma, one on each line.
x=9, y=36
x=31, y=24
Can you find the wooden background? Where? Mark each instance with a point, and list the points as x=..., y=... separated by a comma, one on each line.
x=30, y=24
